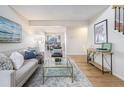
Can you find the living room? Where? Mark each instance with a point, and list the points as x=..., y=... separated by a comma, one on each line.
x=72, y=29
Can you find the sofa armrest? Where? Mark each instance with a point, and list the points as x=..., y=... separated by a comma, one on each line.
x=7, y=78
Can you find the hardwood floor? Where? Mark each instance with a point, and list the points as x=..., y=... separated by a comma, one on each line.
x=95, y=76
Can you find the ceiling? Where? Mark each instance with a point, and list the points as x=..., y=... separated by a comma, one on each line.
x=48, y=29
x=59, y=12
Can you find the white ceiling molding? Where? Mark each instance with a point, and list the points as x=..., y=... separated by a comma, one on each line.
x=57, y=23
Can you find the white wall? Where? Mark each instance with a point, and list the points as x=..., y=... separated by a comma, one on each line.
x=76, y=40
x=42, y=31
x=28, y=35
x=116, y=38
x=76, y=34
x=7, y=12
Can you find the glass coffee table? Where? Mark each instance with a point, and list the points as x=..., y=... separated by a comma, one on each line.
x=60, y=68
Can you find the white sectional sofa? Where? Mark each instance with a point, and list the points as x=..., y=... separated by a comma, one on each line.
x=16, y=78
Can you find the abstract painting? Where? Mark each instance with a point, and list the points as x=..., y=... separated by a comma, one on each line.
x=101, y=32
x=9, y=31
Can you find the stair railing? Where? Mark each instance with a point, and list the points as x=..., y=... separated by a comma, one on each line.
x=119, y=24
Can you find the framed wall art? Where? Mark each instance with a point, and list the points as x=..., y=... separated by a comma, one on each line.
x=9, y=31
x=101, y=32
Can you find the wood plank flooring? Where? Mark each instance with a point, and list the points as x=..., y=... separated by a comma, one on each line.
x=95, y=76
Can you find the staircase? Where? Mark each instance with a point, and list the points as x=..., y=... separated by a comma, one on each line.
x=119, y=18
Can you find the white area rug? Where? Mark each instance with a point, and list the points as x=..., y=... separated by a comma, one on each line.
x=80, y=80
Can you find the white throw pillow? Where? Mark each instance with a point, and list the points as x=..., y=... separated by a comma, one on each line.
x=17, y=59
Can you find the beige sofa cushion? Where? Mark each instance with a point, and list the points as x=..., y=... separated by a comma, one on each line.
x=25, y=69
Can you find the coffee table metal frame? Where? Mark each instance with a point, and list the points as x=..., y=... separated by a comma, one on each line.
x=68, y=67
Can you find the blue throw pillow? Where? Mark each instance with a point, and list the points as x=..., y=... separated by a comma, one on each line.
x=33, y=50
x=30, y=54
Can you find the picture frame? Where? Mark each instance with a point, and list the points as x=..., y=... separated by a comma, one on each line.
x=10, y=31
x=101, y=32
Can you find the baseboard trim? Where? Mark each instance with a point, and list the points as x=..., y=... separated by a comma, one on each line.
x=120, y=77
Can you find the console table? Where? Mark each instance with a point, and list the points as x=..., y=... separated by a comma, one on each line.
x=91, y=53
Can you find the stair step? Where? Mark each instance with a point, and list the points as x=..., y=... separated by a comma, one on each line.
x=121, y=27
x=121, y=24
x=121, y=6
